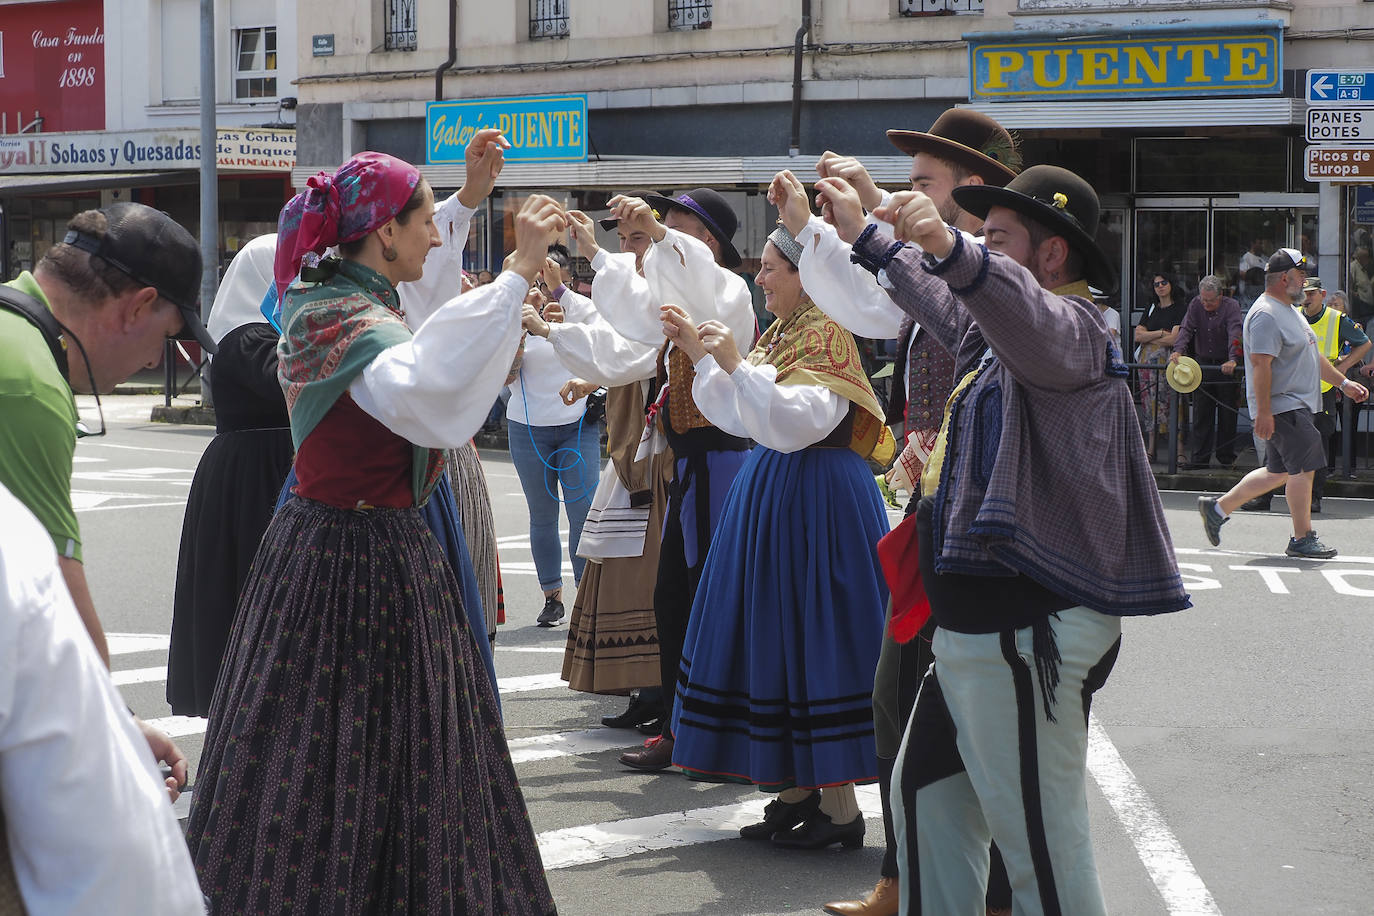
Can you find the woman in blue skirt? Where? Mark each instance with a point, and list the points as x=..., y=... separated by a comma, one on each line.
x=777, y=674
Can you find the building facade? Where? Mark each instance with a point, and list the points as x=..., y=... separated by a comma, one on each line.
x=1198, y=155
x=100, y=102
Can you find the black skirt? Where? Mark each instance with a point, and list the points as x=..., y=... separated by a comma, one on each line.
x=355, y=761
x=227, y=511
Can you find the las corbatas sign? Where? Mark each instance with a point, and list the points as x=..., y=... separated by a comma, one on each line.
x=243, y=149
x=1159, y=62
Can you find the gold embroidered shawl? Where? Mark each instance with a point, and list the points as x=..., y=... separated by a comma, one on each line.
x=808, y=348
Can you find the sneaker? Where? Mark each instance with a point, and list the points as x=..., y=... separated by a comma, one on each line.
x=1309, y=547
x=1211, y=521
x=552, y=613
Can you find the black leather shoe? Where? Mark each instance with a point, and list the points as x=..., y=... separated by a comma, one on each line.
x=652, y=727
x=552, y=613
x=637, y=713
x=1258, y=504
x=780, y=816
x=819, y=831
x=1316, y=506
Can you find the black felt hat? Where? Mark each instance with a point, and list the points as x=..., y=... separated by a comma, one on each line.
x=711, y=208
x=1055, y=198
x=969, y=138
x=612, y=222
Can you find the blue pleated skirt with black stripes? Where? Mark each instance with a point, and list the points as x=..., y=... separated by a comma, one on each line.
x=776, y=682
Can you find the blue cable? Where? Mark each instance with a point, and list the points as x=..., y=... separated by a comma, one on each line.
x=558, y=470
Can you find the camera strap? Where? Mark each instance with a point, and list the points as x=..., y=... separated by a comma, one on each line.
x=40, y=317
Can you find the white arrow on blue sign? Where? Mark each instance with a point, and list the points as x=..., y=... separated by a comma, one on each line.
x=1340, y=87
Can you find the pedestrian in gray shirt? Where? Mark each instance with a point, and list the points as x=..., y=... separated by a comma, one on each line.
x=1283, y=390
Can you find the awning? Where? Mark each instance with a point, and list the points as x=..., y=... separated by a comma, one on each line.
x=618, y=174
x=1145, y=113
x=32, y=185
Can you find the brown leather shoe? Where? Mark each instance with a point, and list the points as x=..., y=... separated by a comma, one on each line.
x=882, y=902
x=657, y=754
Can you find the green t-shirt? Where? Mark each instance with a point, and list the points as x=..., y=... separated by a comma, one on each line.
x=37, y=425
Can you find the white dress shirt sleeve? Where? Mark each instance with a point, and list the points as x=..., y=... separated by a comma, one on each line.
x=577, y=308
x=623, y=298
x=436, y=388
x=681, y=270
x=749, y=403
x=443, y=272
x=842, y=289
x=594, y=351
x=89, y=825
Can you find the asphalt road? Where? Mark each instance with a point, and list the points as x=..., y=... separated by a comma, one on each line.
x=1230, y=762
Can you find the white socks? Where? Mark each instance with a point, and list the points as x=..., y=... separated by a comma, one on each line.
x=1220, y=512
x=839, y=804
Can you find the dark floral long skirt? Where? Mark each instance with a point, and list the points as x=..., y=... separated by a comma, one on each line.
x=355, y=761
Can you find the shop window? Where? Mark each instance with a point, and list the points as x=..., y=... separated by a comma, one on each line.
x=255, y=63
x=548, y=19
x=688, y=15
x=1359, y=268
x=937, y=7
x=399, y=19
x=1211, y=165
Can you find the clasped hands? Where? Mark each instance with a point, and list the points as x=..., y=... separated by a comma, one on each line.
x=843, y=194
x=697, y=340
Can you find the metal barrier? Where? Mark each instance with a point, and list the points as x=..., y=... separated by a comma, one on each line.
x=170, y=388
x=1350, y=413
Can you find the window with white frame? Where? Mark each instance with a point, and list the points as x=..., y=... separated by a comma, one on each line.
x=255, y=63
x=937, y=7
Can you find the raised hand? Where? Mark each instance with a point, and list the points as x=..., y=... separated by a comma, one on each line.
x=637, y=216
x=915, y=218
x=537, y=226
x=682, y=331
x=833, y=165
x=841, y=207
x=717, y=340
x=532, y=321
x=789, y=196
x=584, y=233
x=484, y=159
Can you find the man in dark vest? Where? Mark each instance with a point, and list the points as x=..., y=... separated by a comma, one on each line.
x=962, y=148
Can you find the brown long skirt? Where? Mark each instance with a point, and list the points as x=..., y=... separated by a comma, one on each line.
x=355, y=761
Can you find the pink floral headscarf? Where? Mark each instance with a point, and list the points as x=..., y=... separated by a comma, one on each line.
x=363, y=195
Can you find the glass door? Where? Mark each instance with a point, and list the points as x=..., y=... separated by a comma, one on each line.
x=1172, y=242
x=1242, y=240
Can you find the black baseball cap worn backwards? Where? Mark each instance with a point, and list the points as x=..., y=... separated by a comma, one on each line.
x=155, y=250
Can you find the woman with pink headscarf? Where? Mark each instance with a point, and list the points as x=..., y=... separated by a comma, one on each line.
x=355, y=760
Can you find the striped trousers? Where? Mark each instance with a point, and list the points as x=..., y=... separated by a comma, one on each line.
x=981, y=760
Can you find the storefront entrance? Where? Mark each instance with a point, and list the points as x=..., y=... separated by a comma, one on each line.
x=1188, y=238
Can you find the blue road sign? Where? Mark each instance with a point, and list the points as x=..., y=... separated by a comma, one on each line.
x=1340, y=87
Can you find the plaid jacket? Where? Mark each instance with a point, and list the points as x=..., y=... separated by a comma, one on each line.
x=1046, y=473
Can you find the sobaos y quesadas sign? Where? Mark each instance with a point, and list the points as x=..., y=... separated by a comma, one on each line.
x=244, y=149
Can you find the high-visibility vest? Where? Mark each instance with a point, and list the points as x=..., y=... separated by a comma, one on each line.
x=1328, y=331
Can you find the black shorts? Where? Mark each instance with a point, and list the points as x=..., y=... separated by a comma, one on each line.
x=1296, y=446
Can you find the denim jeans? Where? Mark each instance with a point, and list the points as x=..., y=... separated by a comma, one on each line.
x=541, y=485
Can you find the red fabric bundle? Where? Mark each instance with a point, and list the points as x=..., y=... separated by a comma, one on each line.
x=897, y=553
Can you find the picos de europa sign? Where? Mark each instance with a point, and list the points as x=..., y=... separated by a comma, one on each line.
x=539, y=128
x=1163, y=62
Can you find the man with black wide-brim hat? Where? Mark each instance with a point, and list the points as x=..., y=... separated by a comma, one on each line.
x=962, y=148
x=1040, y=527
x=690, y=264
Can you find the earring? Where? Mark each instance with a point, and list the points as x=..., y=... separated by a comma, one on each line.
x=390, y=253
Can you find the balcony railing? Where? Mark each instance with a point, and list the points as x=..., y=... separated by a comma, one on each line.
x=548, y=19
x=688, y=15
x=400, y=24
x=938, y=7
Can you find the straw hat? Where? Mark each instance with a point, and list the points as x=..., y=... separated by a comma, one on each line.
x=1185, y=375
